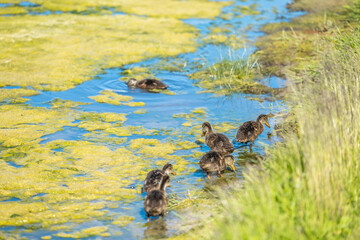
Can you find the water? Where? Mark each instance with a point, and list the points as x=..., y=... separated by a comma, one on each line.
x=233, y=109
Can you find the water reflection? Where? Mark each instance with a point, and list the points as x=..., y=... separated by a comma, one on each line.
x=156, y=229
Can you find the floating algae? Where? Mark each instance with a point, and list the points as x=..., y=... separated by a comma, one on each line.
x=12, y=10
x=20, y=125
x=152, y=147
x=153, y=8
x=6, y=94
x=110, y=97
x=122, y=221
x=140, y=111
x=62, y=67
x=59, y=103
x=84, y=233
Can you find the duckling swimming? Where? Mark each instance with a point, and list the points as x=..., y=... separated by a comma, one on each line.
x=213, y=161
x=153, y=178
x=216, y=141
x=146, y=84
x=156, y=201
x=249, y=131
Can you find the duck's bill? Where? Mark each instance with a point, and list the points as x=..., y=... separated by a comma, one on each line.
x=173, y=173
x=267, y=124
x=233, y=167
x=203, y=134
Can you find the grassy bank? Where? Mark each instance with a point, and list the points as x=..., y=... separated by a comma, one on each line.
x=308, y=187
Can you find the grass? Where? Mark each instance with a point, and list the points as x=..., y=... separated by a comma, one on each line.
x=308, y=186
x=231, y=75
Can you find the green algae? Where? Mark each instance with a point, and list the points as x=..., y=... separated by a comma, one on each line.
x=247, y=10
x=12, y=10
x=152, y=8
x=222, y=34
x=20, y=125
x=110, y=97
x=59, y=103
x=11, y=94
x=140, y=111
x=65, y=67
x=104, y=117
x=138, y=73
x=122, y=221
x=85, y=233
x=152, y=147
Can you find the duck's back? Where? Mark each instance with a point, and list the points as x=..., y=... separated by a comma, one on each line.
x=155, y=202
x=219, y=142
x=248, y=131
x=211, y=162
x=153, y=180
x=151, y=84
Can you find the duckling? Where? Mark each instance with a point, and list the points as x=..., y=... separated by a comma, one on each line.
x=156, y=201
x=249, y=131
x=216, y=141
x=154, y=177
x=146, y=84
x=213, y=161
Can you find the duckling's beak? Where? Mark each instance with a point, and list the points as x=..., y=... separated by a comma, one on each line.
x=173, y=173
x=203, y=134
x=267, y=124
x=233, y=167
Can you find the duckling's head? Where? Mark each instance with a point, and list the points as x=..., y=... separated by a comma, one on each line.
x=230, y=160
x=131, y=82
x=263, y=118
x=165, y=182
x=206, y=127
x=168, y=168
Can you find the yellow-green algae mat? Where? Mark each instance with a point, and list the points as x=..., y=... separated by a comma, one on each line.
x=61, y=183
x=58, y=52
x=64, y=182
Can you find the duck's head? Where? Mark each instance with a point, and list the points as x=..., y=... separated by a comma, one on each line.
x=165, y=182
x=230, y=160
x=206, y=127
x=264, y=119
x=168, y=168
x=131, y=82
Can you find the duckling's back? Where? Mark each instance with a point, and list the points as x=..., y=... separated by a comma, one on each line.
x=153, y=180
x=155, y=203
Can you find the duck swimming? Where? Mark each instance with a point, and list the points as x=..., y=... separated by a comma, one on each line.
x=156, y=201
x=249, y=131
x=216, y=141
x=213, y=161
x=147, y=83
x=153, y=178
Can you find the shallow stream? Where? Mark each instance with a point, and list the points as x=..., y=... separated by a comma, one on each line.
x=170, y=118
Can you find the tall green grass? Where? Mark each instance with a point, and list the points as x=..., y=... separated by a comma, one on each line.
x=308, y=187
